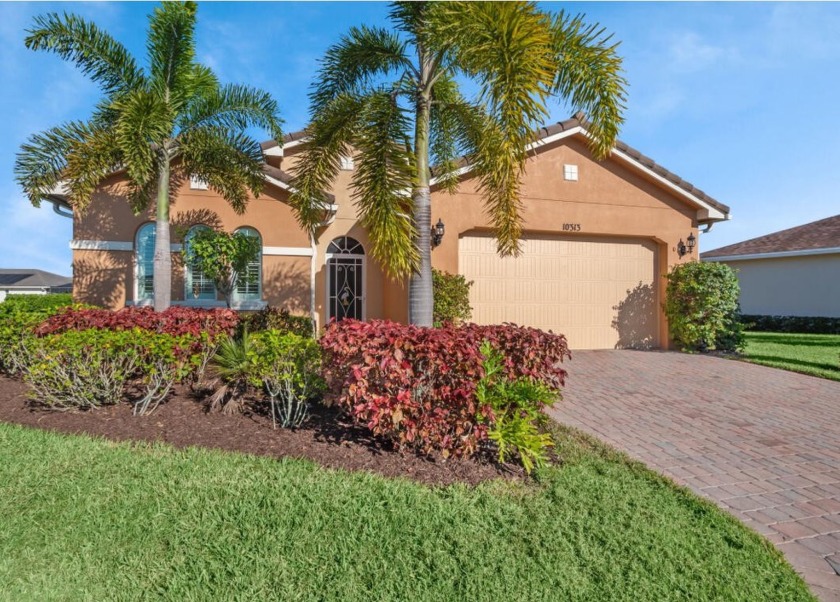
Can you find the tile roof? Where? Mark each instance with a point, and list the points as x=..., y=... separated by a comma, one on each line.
x=22, y=278
x=578, y=120
x=822, y=234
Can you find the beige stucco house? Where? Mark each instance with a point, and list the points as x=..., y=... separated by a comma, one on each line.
x=599, y=236
x=794, y=272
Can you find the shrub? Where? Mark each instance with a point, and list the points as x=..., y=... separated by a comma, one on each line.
x=451, y=298
x=204, y=327
x=799, y=324
x=417, y=386
x=89, y=368
x=30, y=303
x=288, y=367
x=274, y=318
x=701, y=303
x=232, y=363
x=19, y=316
x=517, y=410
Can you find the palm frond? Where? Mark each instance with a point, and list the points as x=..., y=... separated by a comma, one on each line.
x=90, y=160
x=382, y=181
x=96, y=53
x=590, y=75
x=351, y=65
x=447, y=133
x=230, y=163
x=330, y=135
x=144, y=122
x=506, y=48
x=171, y=51
x=42, y=161
x=234, y=107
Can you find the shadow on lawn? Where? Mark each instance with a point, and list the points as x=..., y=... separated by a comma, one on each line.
x=778, y=361
x=794, y=340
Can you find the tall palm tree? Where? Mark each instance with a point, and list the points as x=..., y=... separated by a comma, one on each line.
x=394, y=98
x=160, y=125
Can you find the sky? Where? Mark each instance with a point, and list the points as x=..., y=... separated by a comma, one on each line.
x=740, y=99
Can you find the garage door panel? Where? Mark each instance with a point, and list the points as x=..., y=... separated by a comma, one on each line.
x=579, y=287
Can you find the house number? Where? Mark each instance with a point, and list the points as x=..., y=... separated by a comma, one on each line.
x=571, y=227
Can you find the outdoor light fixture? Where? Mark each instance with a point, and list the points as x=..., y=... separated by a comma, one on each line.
x=682, y=248
x=438, y=230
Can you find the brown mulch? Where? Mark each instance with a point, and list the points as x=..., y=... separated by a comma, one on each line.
x=182, y=421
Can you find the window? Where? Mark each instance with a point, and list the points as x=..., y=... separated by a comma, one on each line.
x=249, y=287
x=570, y=173
x=196, y=284
x=345, y=279
x=347, y=164
x=144, y=260
x=197, y=183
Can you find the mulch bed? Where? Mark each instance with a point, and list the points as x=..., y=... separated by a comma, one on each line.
x=183, y=421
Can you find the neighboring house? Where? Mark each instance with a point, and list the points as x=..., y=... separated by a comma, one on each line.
x=598, y=238
x=795, y=272
x=32, y=282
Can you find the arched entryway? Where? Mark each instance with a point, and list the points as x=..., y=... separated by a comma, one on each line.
x=345, y=279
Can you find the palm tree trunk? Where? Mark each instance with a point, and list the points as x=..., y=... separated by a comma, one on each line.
x=162, y=270
x=420, y=293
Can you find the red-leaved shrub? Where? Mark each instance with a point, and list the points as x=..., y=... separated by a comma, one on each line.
x=176, y=321
x=416, y=386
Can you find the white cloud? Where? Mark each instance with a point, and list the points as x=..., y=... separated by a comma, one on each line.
x=689, y=52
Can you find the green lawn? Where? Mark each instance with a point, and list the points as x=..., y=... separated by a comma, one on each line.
x=814, y=354
x=86, y=519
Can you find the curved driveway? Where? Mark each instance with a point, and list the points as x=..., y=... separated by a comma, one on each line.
x=762, y=443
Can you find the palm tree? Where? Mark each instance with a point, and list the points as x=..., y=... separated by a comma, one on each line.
x=394, y=99
x=159, y=125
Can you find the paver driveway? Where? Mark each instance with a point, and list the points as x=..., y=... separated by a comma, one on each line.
x=762, y=443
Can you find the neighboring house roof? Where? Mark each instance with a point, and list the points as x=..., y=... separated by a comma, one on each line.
x=32, y=278
x=578, y=125
x=815, y=238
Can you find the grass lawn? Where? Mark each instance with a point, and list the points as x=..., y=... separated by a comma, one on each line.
x=814, y=354
x=88, y=519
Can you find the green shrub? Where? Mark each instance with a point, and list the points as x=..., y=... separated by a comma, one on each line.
x=288, y=367
x=798, y=324
x=233, y=364
x=30, y=303
x=517, y=411
x=90, y=368
x=19, y=316
x=274, y=318
x=701, y=303
x=452, y=298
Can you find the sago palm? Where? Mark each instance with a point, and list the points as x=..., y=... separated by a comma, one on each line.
x=394, y=98
x=170, y=121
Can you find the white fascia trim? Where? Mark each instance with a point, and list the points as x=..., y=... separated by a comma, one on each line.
x=274, y=151
x=295, y=143
x=289, y=251
x=100, y=245
x=776, y=254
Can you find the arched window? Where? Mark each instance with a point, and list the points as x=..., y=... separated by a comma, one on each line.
x=144, y=261
x=196, y=284
x=345, y=279
x=249, y=285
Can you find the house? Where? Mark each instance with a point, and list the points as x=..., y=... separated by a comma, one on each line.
x=599, y=236
x=794, y=272
x=32, y=282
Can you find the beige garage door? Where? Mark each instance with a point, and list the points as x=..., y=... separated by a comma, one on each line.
x=599, y=292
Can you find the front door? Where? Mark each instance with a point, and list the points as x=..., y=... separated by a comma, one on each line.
x=345, y=279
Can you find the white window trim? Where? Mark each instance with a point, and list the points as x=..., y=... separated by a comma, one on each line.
x=571, y=173
x=136, y=265
x=197, y=183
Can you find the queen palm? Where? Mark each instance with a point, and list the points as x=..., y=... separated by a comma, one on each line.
x=394, y=98
x=161, y=124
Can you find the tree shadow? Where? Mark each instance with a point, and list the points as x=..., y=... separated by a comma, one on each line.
x=635, y=319
x=182, y=221
x=103, y=279
x=287, y=286
x=778, y=360
x=796, y=340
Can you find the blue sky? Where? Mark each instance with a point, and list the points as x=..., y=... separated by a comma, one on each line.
x=741, y=99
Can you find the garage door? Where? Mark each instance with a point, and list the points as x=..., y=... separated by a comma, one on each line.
x=599, y=292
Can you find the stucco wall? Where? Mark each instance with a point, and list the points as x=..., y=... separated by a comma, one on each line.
x=790, y=286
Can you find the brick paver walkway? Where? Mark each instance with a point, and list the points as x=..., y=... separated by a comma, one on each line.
x=762, y=443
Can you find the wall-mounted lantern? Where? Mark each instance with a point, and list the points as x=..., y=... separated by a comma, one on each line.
x=438, y=230
x=683, y=248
